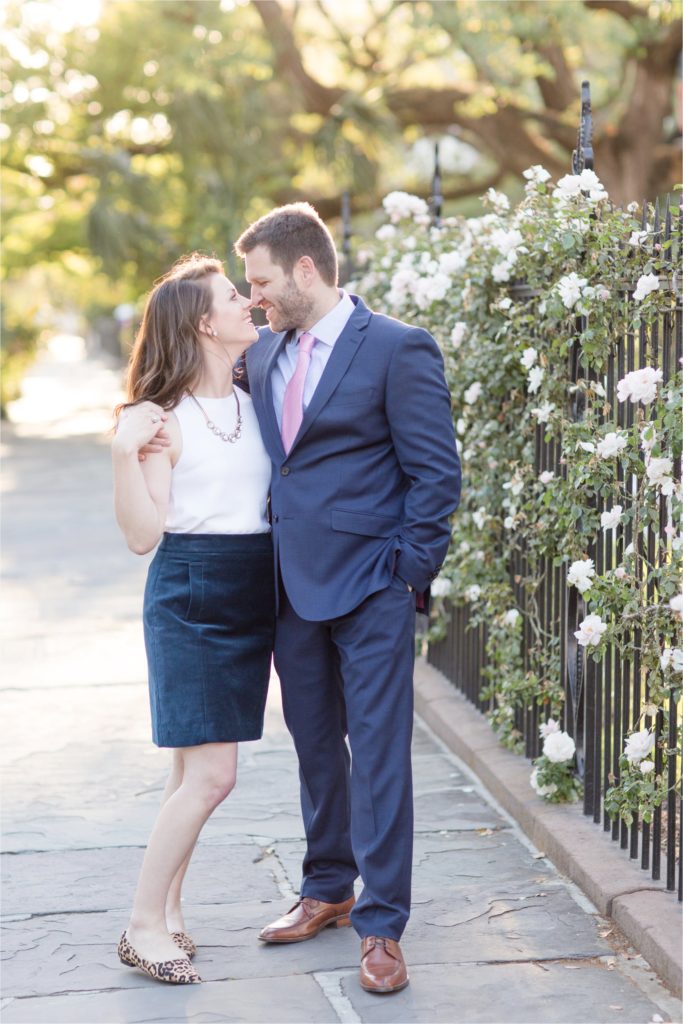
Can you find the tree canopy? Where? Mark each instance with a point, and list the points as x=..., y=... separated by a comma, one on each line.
x=163, y=127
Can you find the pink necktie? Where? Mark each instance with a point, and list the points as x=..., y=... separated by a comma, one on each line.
x=293, y=405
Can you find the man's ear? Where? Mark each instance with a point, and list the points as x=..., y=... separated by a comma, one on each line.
x=305, y=271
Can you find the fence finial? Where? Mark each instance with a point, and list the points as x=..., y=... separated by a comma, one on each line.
x=582, y=157
x=346, y=234
x=436, y=198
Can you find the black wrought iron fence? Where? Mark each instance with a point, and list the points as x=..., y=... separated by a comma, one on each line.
x=604, y=701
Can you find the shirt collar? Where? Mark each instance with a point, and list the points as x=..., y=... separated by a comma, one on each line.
x=329, y=327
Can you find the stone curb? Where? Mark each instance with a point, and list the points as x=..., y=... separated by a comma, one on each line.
x=648, y=915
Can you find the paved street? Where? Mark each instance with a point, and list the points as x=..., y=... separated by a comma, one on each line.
x=496, y=933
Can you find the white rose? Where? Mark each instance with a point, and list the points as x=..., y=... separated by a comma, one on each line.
x=589, y=180
x=639, y=745
x=548, y=727
x=590, y=631
x=460, y=426
x=463, y=547
x=498, y=200
x=452, y=262
x=546, y=476
x=441, y=587
x=568, y=186
x=479, y=518
x=672, y=656
x=534, y=379
x=676, y=605
x=501, y=271
x=529, y=357
x=431, y=289
x=473, y=593
x=610, y=520
x=658, y=471
x=504, y=303
x=611, y=444
x=458, y=333
x=515, y=486
x=538, y=788
x=646, y=767
x=570, y=287
x=402, y=287
x=640, y=385
x=508, y=522
x=386, y=232
x=646, y=283
x=536, y=174
x=586, y=446
x=543, y=412
x=638, y=238
x=507, y=243
x=400, y=205
x=511, y=617
x=472, y=393
x=580, y=574
x=559, y=747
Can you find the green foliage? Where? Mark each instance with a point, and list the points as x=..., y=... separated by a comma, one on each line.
x=145, y=157
x=636, y=793
x=508, y=351
x=556, y=783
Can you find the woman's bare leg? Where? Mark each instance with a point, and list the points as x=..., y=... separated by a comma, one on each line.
x=208, y=777
x=174, y=913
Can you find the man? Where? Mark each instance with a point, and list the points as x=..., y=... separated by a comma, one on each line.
x=355, y=414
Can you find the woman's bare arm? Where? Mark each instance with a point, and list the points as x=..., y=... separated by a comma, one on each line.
x=142, y=489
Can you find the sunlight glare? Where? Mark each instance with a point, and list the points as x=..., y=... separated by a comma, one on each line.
x=61, y=15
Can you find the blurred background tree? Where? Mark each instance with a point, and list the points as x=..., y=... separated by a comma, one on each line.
x=135, y=131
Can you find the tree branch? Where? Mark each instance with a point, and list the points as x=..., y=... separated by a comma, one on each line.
x=560, y=93
x=318, y=98
x=329, y=207
x=624, y=8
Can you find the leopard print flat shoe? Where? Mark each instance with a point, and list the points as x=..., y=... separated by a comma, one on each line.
x=173, y=972
x=184, y=942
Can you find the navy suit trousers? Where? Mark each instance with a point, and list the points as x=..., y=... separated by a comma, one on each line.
x=353, y=676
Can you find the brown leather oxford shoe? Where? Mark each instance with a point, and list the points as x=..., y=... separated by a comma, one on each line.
x=306, y=918
x=382, y=967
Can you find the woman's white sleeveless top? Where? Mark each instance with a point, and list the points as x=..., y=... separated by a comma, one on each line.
x=216, y=486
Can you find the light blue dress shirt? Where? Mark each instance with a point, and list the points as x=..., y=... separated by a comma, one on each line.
x=326, y=332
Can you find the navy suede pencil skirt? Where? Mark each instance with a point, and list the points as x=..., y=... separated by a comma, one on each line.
x=209, y=619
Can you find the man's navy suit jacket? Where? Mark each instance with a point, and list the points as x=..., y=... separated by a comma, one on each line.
x=373, y=475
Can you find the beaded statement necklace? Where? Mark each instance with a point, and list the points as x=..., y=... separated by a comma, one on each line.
x=235, y=434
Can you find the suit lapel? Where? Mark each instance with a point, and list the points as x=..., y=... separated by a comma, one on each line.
x=345, y=348
x=268, y=419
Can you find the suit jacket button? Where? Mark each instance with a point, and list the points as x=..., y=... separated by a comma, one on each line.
x=284, y=471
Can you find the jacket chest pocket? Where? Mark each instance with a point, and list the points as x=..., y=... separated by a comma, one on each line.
x=346, y=394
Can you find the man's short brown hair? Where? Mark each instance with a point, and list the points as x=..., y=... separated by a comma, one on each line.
x=290, y=232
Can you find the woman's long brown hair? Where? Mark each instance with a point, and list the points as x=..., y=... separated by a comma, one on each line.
x=166, y=359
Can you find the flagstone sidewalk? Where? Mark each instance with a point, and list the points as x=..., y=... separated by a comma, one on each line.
x=496, y=933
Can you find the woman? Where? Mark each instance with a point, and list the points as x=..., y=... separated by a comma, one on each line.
x=209, y=599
